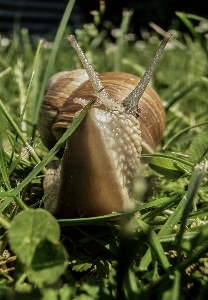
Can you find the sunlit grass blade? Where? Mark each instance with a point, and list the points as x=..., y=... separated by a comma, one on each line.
x=19, y=133
x=26, y=98
x=31, y=79
x=149, y=216
x=154, y=203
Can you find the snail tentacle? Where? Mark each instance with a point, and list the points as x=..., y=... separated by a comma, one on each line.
x=131, y=101
x=98, y=87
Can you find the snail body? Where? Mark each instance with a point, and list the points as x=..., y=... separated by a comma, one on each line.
x=102, y=156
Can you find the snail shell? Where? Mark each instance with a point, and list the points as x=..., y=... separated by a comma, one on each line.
x=58, y=107
x=102, y=157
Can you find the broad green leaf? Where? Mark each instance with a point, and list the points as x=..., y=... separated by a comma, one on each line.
x=93, y=288
x=169, y=169
x=28, y=229
x=80, y=262
x=199, y=148
x=48, y=263
x=102, y=267
x=82, y=267
x=34, y=237
x=67, y=292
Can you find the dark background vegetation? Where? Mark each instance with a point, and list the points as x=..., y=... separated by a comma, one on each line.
x=42, y=17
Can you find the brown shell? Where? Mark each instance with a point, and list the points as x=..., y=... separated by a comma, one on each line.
x=59, y=88
x=118, y=85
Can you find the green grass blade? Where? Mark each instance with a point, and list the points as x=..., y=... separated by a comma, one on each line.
x=3, y=164
x=20, y=135
x=152, y=214
x=185, y=18
x=188, y=23
x=120, y=41
x=182, y=93
x=31, y=79
x=165, y=230
x=40, y=166
x=181, y=132
x=173, y=219
x=101, y=219
x=171, y=157
x=5, y=203
x=5, y=72
x=175, y=293
x=20, y=203
x=59, y=35
x=16, y=199
x=199, y=214
x=90, y=221
x=154, y=203
x=154, y=243
x=193, y=258
x=196, y=179
x=27, y=95
x=3, y=167
x=105, y=245
x=4, y=223
x=172, y=237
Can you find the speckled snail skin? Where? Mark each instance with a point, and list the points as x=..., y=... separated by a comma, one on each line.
x=102, y=157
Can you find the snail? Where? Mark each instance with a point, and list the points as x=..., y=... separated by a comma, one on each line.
x=102, y=156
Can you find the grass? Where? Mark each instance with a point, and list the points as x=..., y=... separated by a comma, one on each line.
x=160, y=254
